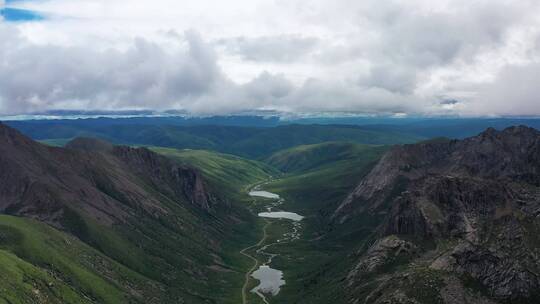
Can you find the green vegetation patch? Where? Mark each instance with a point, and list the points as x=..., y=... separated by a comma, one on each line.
x=228, y=174
x=41, y=257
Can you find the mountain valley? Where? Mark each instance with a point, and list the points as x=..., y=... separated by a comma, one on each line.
x=438, y=221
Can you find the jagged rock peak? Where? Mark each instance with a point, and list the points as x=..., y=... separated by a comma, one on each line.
x=515, y=131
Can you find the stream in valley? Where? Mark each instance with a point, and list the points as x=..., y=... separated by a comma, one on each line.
x=270, y=279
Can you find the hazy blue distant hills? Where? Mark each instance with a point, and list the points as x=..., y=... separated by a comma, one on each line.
x=258, y=136
x=453, y=128
x=130, y=118
x=254, y=142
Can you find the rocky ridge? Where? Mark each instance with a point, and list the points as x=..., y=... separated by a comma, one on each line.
x=469, y=209
x=105, y=182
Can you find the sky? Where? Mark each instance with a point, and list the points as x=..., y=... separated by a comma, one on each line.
x=370, y=57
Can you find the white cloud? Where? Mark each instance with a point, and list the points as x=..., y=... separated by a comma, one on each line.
x=282, y=48
x=515, y=91
x=37, y=77
x=298, y=55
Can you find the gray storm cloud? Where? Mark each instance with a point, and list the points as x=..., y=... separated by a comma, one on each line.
x=40, y=77
x=515, y=91
x=369, y=57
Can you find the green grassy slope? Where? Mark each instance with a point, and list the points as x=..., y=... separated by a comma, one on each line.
x=309, y=157
x=321, y=175
x=39, y=264
x=228, y=174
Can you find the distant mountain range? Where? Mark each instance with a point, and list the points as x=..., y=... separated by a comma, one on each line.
x=257, y=136
x=252, y=142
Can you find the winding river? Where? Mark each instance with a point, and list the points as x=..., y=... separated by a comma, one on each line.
x=270, y=279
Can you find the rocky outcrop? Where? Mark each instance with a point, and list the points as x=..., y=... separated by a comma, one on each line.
x=512, y=154
x=167, y=176
x=476, y=201
x=383, y=252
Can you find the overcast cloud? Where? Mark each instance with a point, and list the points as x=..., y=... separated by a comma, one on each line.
x=416, y=57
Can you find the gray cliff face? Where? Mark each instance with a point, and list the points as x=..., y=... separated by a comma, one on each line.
x=471, y=208
x=167, y=176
